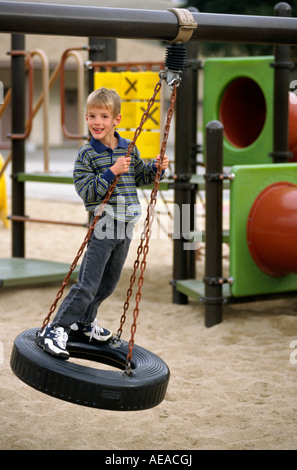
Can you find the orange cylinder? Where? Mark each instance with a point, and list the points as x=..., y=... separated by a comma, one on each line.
x=293, y=126
x=272, y=229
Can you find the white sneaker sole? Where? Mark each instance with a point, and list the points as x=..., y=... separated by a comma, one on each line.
x=48, y=346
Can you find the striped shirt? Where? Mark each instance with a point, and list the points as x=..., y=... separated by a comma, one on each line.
x=92, y=178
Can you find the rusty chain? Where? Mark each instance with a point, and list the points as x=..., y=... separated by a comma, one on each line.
x=143, y=247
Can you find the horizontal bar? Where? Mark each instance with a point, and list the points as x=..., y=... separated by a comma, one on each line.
x=69, y=20
x=46, y=177
x=194, y=288
x=18, y=218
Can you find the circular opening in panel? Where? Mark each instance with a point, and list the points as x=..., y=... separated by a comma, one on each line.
x=242, y=112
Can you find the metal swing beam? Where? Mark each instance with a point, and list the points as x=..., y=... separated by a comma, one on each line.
x=69, y=20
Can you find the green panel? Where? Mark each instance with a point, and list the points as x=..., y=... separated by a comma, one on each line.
x=249, y=181
x=218, y=74
x=25, y=271
x=191, y=287
x=195, y=288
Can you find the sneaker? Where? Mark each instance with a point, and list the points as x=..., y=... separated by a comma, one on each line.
x=92, y=331
x=53, y=341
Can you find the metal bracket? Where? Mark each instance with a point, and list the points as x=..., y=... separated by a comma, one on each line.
x=282, y=65
x=184, y=177
x=213, y=300
x=281, y=155
x=217, y=281
x=218, y=176
x=187, y=24
x=172, y=78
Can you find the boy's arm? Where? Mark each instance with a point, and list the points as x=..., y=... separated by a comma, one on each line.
x=145, y=172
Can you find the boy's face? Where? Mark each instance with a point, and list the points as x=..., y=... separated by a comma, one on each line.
x=101, y=123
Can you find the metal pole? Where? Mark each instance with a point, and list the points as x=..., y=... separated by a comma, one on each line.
x=70, y=20
x=193, y=64
x=182, y=187
x=101, y=50
x=213, y=224
x=18, y=145
x=282, y=66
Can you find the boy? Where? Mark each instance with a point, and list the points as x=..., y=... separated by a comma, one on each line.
x=96, y=166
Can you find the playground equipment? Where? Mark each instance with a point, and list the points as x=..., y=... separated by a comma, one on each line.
x=279, y=30
x=292, y=126
x=262, y=259
x=271, y=240
x=34, y=18
x=249, y=97
x=19, y=270
x=73, y=52
x=88, y=386
x=242, y=99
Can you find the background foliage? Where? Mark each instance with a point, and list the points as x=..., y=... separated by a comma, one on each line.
x=238, y=7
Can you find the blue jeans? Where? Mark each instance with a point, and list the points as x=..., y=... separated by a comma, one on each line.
x=99, y=272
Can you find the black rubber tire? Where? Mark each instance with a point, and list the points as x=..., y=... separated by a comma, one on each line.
x=87, y=386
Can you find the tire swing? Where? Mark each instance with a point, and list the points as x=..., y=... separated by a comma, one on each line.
x=142, y=380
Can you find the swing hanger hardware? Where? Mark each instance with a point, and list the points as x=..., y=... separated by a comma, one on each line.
x=128, y=369
x=186, y=23
x=175, y=60
x=171, y=78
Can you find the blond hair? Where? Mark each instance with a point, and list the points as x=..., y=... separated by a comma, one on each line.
x=105, y=98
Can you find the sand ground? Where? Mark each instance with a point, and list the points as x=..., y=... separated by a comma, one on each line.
x=232, y=386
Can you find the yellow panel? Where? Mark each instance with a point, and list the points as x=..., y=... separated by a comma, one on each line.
x=132, y=112
x=108, y=80
x=126, y=134
x=138, y=85
x=3, y=197
x=148, y=143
